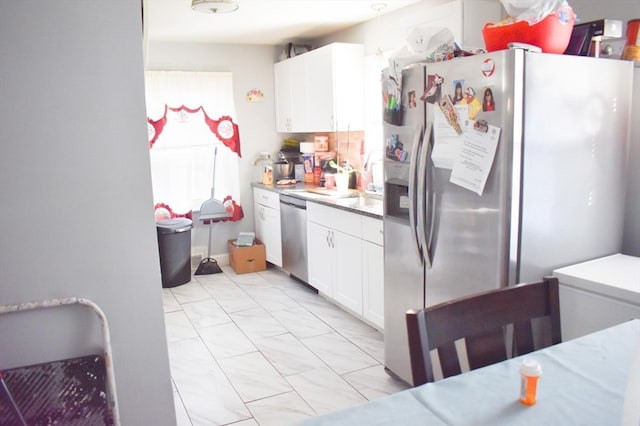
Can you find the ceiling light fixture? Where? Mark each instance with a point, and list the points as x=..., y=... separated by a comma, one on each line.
x=214, y=6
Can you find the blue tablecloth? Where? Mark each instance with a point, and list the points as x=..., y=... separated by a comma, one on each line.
x=583, y=383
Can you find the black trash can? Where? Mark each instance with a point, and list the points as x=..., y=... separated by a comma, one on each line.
x=174, y=245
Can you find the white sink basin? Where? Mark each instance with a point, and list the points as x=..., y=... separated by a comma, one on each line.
x=360, y=202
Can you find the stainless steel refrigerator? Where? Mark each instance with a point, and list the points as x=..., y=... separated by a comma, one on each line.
x=481, y=194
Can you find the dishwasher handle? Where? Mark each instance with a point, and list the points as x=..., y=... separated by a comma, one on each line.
x=293, y=202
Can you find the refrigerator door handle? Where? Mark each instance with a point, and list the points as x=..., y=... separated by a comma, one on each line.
x=423, y=202
x=430, y=201
x=413, y=196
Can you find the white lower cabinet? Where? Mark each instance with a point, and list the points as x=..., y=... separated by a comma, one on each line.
x=267, y=223
x=343, y=265
x=373, y=271
x=335, y=254
x=348, y=271
x=320, y=254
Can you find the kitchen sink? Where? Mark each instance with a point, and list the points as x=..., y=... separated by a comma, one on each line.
x=333, y=193
x=352, y=199
x=320, y=192
x=361, y=202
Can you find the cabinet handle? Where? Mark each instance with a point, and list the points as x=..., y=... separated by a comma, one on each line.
x=332, y=244
x=327, y=238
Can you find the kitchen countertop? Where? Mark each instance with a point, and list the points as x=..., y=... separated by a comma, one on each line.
x=353, y=201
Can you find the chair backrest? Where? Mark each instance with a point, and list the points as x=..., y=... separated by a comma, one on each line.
x=493, y=325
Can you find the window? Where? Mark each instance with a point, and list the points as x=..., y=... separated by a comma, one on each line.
x=190, y=117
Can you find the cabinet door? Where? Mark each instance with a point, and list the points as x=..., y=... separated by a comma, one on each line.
x=258, y=220
x=373, y=283
x=348, y=270
x=348, y=87
x=321, y=90
x=283, y=81
x=315, y=84
x=321, y=258
x=272, y=238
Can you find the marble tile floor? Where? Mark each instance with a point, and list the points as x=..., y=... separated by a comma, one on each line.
x=264, y=349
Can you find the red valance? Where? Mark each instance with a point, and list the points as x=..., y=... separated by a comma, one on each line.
x=224, y=128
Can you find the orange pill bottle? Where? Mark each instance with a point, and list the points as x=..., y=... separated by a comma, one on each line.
x=530, y=371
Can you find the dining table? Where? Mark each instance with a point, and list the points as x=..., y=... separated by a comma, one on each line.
x=584, y=381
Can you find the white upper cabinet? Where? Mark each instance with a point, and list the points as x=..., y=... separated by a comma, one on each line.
x=321, y=90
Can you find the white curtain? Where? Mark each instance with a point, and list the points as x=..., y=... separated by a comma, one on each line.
x=182, y=156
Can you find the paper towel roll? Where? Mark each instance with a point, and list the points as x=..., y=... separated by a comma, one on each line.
x=306, y=147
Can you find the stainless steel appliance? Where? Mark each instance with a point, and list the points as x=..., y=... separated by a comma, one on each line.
x=293, y=220
x=550, y=196
x=631, y=244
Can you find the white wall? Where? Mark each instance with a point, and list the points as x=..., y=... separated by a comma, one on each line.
x=75, y=192
x=590, y=10
x=389, y=32
x=252, y=68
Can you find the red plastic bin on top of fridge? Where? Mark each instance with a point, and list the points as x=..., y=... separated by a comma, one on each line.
x=552, y=34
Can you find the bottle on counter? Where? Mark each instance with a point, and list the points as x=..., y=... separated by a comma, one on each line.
x=264, y=168
x=317, y=175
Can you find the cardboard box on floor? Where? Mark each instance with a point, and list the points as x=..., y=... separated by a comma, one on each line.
x=247, y=259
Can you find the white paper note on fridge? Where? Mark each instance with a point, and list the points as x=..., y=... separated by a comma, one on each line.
x=475, y=159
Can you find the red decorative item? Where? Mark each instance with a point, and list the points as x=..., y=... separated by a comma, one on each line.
x=160, y=214
x=156, y=127
x=227, y=131
x=224, y=128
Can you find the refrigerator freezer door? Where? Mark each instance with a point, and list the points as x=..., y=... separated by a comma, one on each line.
x=403, y=255
x=631, y=244
x=403, y=290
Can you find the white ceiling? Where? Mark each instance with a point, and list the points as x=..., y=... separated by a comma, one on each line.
x=271, y=22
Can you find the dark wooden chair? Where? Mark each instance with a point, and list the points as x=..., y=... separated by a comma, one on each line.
x=494, y=325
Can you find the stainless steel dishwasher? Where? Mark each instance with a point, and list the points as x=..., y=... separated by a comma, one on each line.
x=293, y=220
